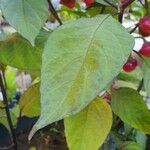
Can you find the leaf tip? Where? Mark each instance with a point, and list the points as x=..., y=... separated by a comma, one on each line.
x=31, y=134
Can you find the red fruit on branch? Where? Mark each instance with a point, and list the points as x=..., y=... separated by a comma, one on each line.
x=144, y=26
x=89, y=2
x=145, y=50
x=143, y=33
x=68, y=3
x=124, y=2
x=133, y=61
x=130, y=65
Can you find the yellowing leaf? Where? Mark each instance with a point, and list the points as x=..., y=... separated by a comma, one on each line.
x=88, y=129
x=30, y=101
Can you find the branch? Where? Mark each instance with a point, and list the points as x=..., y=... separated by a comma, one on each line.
x=8, y=147
x=147, y=7
x=103, y=9
x=53, y=11
x=134, y=28
x=137, y=53
x=120, y=16
x=141, y=3
x=140, y=85
x=111, y=4
x=122, y=9
x=8, y=112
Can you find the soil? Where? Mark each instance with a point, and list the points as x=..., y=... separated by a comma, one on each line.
x=50, y=138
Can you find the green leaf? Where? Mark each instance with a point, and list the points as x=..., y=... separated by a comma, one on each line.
x=10, y=76
x=129, y=105
x=18, y=52
x=30, y=101
x=88, y=129
x=146, y=74
x=3, y=118
x=134, y=76
x=130, y=145
x=76, y=65
x=141, y=139
x=93, y=11
x=26, y=16
x=129, y=79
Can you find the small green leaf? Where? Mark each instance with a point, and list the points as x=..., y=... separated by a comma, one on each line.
x=76, y=65
x=3, y=118
x=88, y=129
x=130, y=145
x=134, y=76
x=26, y=16
x=129, y=105
x=18, y=52
x=30, y=101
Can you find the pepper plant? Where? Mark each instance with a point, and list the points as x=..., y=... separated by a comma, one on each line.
x=89, y=72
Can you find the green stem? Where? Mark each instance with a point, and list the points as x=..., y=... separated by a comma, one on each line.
x=53, y=11
x=8, y=112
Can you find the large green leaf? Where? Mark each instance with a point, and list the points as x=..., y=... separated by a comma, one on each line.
x=146, y=74
x=88, y=129
x=129, y=105
x=19, y=53
x=26, y=16
x=30, y=101
x=80, y=58
x=130, y=145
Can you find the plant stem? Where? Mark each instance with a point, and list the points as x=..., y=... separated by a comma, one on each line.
x=111, y=4
x=53, y=11
x=130, y=132
x=103, y=9
x=148, y=143
x=134, y=28
x=137, y=53
x=147, y=8
x=5, y=83
x=8, y=112
x=120, y=16
x=140, y=85
x=7, y=148
x=122, y=9
x=141, y=3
